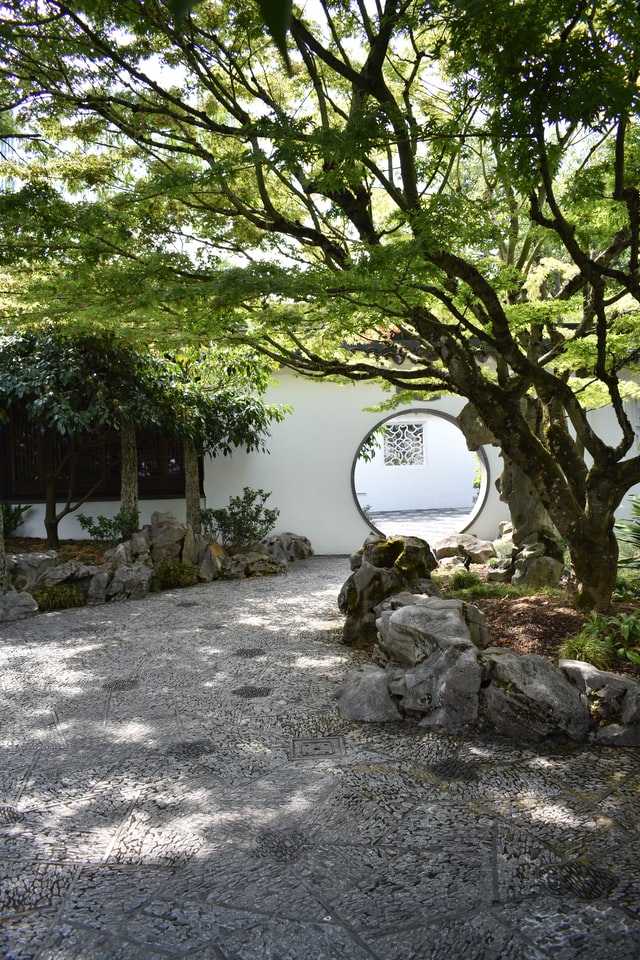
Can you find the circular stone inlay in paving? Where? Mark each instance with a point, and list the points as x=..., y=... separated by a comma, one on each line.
x=455, y=770
x=10, y=815
x=280, y=846
x=247, y=653
x=580, y=880
x=249, y=692
x=191, y=749
x=121, y=684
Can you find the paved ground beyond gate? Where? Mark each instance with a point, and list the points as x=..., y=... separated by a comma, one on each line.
x=175, y=782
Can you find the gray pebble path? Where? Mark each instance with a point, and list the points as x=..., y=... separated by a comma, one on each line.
x=176, y=782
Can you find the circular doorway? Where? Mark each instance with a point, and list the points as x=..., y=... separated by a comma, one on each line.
x=413, y=475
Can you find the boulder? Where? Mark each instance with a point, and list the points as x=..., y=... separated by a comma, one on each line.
x=614, y=702
x=211, y=564
x=25, y=569
x=442, y=690
x=255, y=562
x=167, y=535
x=367, y=587
x=465, y=545
x=130, y=582
x=411, y=634
x=365, y=696
x=528, y=698
x=288, y=547
x=16, y=605
x=97, y=592
x=71, y=572
x=381, y=568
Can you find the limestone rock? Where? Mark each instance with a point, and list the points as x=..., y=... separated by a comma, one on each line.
x=464, y=545
x=97, y=592
x=212, y=562
x=365, y=696
x=381, y=568
x=255, y=562
x=288, y=547
x=614, y=702
x=130, y=582
x=167, y=536
x=442, y=690
x=141, y=544
x=367, y=587
x=72, y=572
x=528, y=698
x=15, y=605
x=24, y=569
x=413, y=633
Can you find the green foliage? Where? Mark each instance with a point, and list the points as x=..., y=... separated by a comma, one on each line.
x=244, y=520
x=59, y=596
x=628, y=532
x=119, y=527
x=627, y=588
x=588, y=648
x=464, y=579
x=465, y=179
x=13, y=516
x=620, y=632
x=170, y=575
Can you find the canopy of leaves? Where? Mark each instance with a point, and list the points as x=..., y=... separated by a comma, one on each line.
x=79, y=383
x=466, y=184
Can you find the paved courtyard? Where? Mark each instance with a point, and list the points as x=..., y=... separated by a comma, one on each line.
x=176, y=783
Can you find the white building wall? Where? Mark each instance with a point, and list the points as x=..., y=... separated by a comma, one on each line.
x=309, y=466
x=308, y=469
x=444, y=479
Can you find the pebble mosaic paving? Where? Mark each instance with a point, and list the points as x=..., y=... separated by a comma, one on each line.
x=176, y=782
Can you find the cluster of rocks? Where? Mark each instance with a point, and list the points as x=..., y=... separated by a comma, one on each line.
x=434, y=665
x=129, y=569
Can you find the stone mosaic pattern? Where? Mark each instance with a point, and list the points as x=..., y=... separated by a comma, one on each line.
x=176, y=782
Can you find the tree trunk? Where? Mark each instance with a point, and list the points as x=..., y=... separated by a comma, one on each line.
x=594, y=562
x=192, y=485
x=51, y=515
x=3, y=559
x=129, y=470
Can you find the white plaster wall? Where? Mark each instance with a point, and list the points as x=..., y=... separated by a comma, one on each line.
x=308, y=469
x=70, y=529
x=445, y=479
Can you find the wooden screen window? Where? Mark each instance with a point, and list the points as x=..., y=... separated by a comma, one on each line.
x=160, y=464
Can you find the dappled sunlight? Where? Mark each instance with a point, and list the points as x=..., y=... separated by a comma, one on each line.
x=192, y=759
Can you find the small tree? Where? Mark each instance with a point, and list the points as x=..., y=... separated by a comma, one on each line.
x=78, y=389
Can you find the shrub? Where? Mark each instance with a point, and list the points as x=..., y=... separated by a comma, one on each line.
x=629, y=534
x=244, y=520
x=119, y=527
x=13, y=516
x=170, y=574
x=620, y=633
x=464, y=579
x=589, y=649
x=60, y=596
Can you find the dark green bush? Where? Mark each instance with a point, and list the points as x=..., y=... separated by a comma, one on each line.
x=60, y=596
x=243, y=521
x=170, y=574
x=119, y=527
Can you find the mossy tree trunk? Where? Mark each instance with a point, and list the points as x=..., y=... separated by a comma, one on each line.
x=129, y=468
x=192, y=485
x=3, y=558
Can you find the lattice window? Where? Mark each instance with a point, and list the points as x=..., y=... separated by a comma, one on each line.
x=403, y=445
